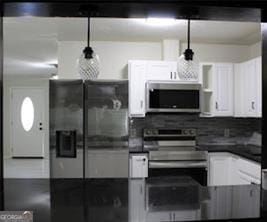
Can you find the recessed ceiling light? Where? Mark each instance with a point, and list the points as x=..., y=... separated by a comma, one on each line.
x=161, y=21
x=158, y=22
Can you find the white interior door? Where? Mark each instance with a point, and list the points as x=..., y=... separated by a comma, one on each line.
x=27, y=122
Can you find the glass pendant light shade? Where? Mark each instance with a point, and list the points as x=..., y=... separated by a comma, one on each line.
x=89, y=60
x=89, y=67
x=187, y=67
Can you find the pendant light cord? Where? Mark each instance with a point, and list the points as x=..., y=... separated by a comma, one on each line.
x=188, y=34
x=88, y=32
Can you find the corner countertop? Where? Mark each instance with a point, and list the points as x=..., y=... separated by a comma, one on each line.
x=250, y=152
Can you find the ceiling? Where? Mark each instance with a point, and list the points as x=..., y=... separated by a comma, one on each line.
x=30, y=43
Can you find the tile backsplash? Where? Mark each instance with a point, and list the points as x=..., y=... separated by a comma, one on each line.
x=217, y=130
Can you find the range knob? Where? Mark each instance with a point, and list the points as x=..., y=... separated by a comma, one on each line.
x=192, y=132
x=148, y=132
x=185, y=132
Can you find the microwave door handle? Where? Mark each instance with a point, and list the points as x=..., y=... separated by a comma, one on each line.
x=216, y=104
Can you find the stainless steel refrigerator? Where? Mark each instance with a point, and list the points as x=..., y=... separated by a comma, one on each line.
x=88, y=129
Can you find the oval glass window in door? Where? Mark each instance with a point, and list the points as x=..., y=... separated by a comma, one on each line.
x=27, y=114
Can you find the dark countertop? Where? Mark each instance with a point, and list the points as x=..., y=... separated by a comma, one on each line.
x=122, y=200
x=250, y=152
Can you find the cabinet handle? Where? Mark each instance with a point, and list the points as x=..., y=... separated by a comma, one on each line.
x=216, y=105
x=141, y=103
x=252, y=105
x=170, y=216
x=175, y=75
x=173, y=216
x=171, y=75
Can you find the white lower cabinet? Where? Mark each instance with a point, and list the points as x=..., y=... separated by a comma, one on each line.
x=219, y=169
x=246, y=203
x=229, y=169
x=220, y=204
x=137, y=210
x=138, y=166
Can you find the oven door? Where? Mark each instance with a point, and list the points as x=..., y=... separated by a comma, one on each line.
x=172, y=97
x=197, y=170
x=171, y=194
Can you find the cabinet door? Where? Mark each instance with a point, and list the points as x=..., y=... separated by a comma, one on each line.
x=161, y=70
x=253, y=87
x=219, y=170
x=137, y=211
x=139, y=166
x=220, y=203
x=239, y=90
x=259, y=88
x=246, y=202
x=137, y=78
x=223, y=89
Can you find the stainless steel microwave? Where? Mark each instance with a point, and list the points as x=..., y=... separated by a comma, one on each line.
x=173, y=97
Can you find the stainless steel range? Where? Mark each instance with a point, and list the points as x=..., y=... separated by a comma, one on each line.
x=174, y=152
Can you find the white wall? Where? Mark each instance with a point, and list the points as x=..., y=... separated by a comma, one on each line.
x=219, y=52
x=170, y=49
x=114, y=57
x=22, y=81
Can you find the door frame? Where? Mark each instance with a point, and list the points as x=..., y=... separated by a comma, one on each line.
x=46, y=118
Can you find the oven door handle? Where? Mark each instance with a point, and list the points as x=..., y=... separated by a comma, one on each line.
x=178, y=164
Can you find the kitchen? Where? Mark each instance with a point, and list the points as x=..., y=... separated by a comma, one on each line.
x=226, y=157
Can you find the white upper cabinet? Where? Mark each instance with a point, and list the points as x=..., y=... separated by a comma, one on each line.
x=248, y=87
x=137, y=79
x=217, y=89
x=162, y=70
x=223, y=89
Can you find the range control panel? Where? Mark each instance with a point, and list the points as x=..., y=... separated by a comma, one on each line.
x=169, y=132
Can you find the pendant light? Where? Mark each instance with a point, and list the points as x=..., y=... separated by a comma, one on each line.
x=89, y=60
x=187, y=67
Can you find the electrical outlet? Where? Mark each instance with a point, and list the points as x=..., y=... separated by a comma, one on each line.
x=226, y=132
